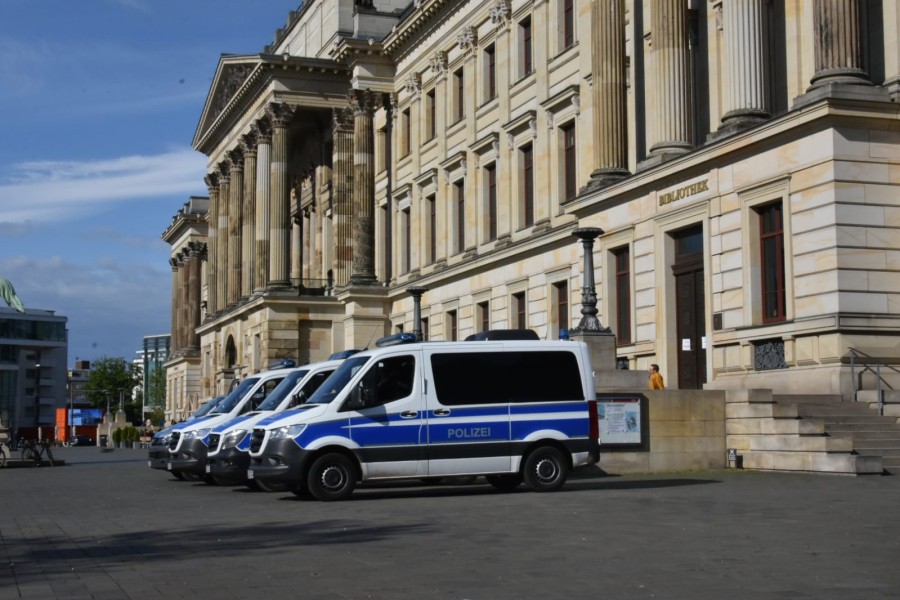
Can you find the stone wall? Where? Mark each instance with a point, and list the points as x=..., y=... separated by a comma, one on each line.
x=685, y=430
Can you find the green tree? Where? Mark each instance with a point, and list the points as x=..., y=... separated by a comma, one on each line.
x=111, y=382
x=156, y=389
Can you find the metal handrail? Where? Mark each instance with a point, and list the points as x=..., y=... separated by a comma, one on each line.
x=867, y=367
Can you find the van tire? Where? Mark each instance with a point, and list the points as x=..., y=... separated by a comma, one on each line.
x=177, y=475
x=331, y=477
x=269, y=488
x=545, y=470
x=506, y=483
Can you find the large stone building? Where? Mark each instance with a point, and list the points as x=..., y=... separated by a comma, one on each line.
x=741, y=157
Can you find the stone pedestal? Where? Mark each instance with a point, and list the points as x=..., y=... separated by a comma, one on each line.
x=367, y=319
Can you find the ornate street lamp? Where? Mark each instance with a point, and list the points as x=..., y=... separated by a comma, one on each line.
x=416, y=293
x=589, y=324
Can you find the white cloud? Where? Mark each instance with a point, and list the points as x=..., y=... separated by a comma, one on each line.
x=110, y=305
x=59, y=190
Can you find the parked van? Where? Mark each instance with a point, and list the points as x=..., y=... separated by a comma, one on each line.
x=229, y=443
x=159, y=446
x=188, y=441
x=510, y=410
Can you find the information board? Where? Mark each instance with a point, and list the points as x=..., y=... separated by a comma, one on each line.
x=86, y=416
x=620, y=420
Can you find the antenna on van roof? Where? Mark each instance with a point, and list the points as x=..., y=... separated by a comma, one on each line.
x=371, y=337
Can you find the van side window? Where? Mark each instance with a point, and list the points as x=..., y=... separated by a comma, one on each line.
x=393, y=378
x=501, y=377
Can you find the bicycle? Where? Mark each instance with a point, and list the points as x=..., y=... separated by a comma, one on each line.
x=32, y=452
x=4, y=453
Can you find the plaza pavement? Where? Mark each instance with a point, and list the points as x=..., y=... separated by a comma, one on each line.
x=105, y=526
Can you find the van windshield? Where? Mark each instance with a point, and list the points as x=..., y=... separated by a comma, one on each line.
x=282, y=390
x=332, y=386
x=208, y=407
x=236, y=395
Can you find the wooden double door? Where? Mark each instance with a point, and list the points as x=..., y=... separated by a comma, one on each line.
x=690, y=308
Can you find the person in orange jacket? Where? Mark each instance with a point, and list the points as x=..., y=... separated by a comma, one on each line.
x=656, y=380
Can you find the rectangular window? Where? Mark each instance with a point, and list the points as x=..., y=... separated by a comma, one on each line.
x=561, y=305
x=424, y=329
x=406, y=124
x=431, y=204
x=527, y=160
x=518, y=308
x=452, y=330
x=430, y=115
x=569, y=162
x=525, y=48
x=771, y=234
x=459, y=95
x=407, y=240
x=568, y=23
x=490, y=73
x=483, y=314
x=459, y=201
x=623, y=295
x=490, y=183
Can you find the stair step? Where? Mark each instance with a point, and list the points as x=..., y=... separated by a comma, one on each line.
x=882, y=444
x=853, y=419
x=863, y=427
x=808, y=398
x=837, y=409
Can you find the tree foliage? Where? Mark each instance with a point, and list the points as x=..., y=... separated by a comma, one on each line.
x=111, y=382
x=156, y=390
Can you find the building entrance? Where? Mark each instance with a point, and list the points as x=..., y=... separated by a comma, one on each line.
x=690, y=308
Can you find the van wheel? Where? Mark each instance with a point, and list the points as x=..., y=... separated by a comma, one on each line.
x=506, y=483
x=545, y=470
x=331, y=477
x=177, y=474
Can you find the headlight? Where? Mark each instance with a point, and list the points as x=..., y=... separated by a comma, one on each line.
x=234, y=438
x=197, y=434
x=288, y=431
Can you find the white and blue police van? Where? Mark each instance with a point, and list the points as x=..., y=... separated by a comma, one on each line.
x=188, y=441
x=511, y=410
x=158, y=456
x=229, y=443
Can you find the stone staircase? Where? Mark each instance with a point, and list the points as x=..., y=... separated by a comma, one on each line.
x=816, y=433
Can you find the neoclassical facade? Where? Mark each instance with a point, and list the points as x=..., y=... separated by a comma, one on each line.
x=741, y=157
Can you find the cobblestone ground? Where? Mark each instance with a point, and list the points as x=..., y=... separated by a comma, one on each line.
x=106, y=526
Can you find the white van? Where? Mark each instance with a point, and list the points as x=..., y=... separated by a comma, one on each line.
x=188, y=441
x=510, y=410
x=229, y=443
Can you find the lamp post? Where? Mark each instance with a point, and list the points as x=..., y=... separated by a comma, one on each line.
x=416, y=293
x=37, y=394
x=589, y=324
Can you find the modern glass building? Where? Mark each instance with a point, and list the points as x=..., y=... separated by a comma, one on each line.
x=33, y=352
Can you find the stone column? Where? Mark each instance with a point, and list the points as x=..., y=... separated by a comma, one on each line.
x=838, y=50
x=746, y=65
x=672, y=79
x=212, y=219
x=235, y=195
x=261, y=239
x=608, y=89
x=221, y=264
x=195, y=256
x=248, y=214
x=183, y=299
x=280, y=198
x=363, y=103
x=173, y=262
x=298, y=253
x=342, y=195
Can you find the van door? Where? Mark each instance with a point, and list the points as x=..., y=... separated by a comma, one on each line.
x=387, y=416
x=468, y=425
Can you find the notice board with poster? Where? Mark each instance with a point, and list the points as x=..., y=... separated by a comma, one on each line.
x=620, y=417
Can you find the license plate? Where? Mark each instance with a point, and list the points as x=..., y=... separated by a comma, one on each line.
x=249, y=473
x=208, y=468
x=169, y=466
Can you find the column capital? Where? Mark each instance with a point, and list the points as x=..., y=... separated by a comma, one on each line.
x=280, y=113
x=236, y=159
x=365, y=102
x=224, y=171
x=249, y=142
x=342, y=119
x=212, y=182
x=263, y=130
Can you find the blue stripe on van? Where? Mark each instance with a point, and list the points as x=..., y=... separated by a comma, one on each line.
x=234, y=421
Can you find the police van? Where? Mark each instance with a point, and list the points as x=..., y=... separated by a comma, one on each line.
x=188, y=441
x=229, y=443
x=510, y=410
x=158, y=457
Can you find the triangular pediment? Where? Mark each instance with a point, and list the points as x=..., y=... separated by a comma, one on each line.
x=231, y=75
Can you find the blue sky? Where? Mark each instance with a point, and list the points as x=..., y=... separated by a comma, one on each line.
x=99, y=101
